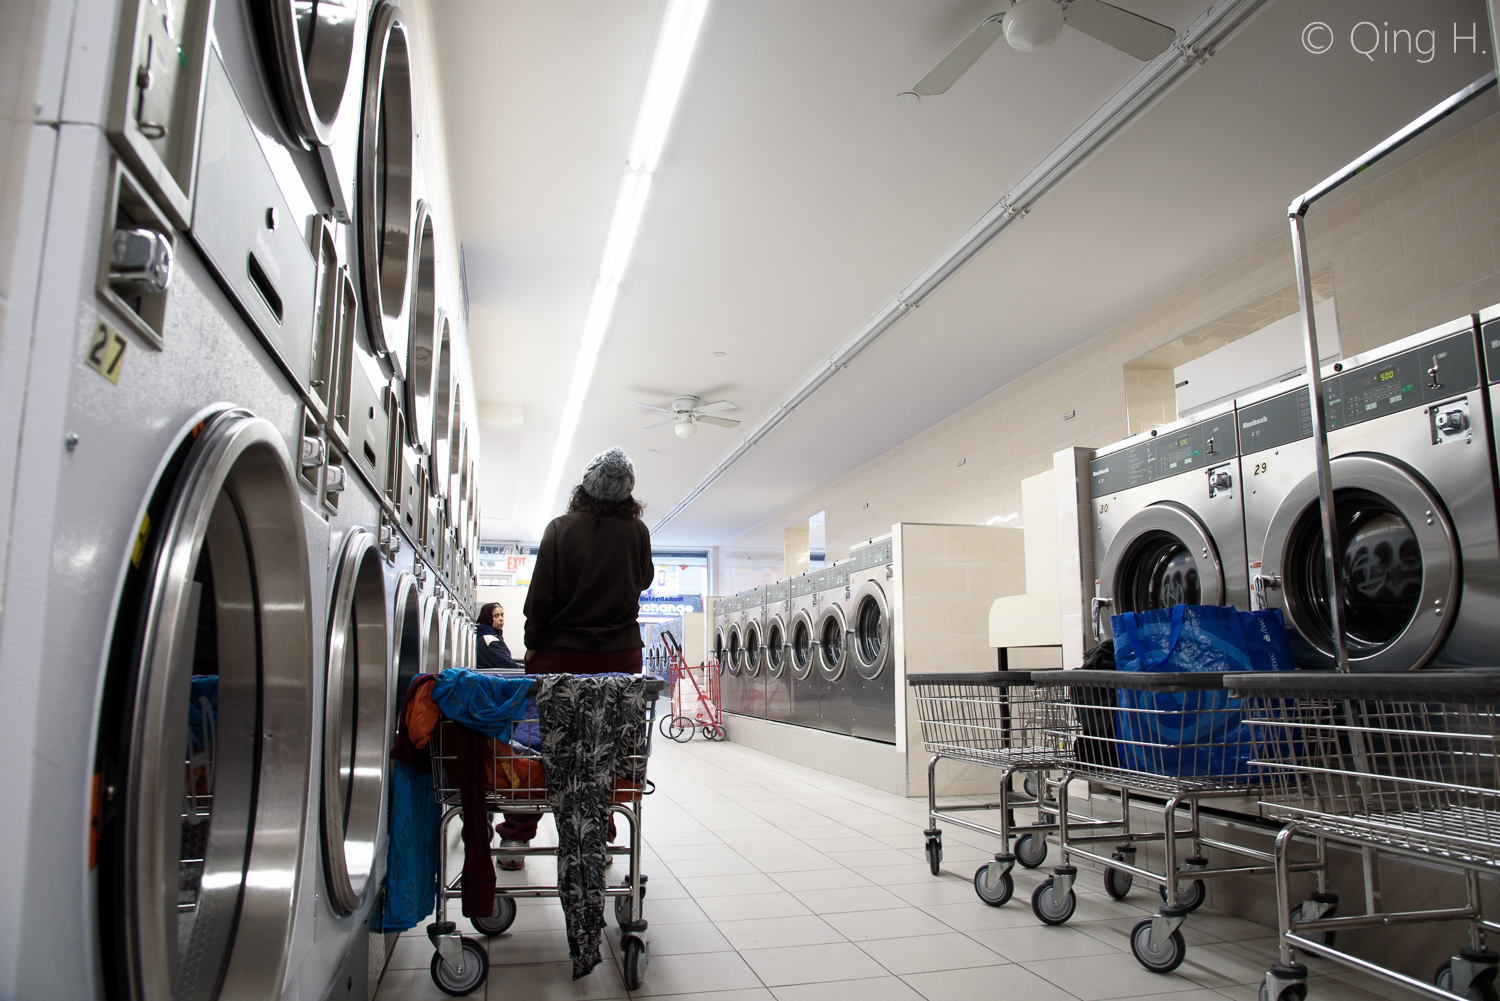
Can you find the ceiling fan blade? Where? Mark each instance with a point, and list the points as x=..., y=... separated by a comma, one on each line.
x=669, y=420
x=650, y=407
x=1130, y=33
x=956, y=63
x=708, y=408
x=718, y=422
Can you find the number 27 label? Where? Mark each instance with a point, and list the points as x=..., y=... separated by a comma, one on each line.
x=106, y=352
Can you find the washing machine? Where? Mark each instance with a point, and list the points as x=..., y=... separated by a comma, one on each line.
x=1169, y=527
x=752, y=619
x=775, y=660
x=833, y=603
x=870, y=674
x=806, y=680
x=1410, y=440
x=1489, y=337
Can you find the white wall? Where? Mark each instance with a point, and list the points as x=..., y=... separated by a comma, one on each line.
x=1269, y=355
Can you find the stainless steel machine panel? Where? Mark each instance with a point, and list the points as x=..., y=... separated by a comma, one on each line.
x=1411, y=448
x=802, y=652
x=245, y=229
x=777, y=670
x=1168, y=523
x=870, y=676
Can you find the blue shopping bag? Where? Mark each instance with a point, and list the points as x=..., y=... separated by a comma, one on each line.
x=1196, y=733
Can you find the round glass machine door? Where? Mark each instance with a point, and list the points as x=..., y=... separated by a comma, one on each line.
x=1162, y=556
x=872, y=631
x=720, y=649
x=775, y=647
x=205, y=742
x=754, y=651
x=386, y=156
x=734, y=649
x=319, y=47
x=355, y=724
x=406, y=638
x=833, y=646
x=801, y=646
x=1397, y=556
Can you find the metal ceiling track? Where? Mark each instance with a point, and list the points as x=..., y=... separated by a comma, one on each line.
x=1189, y=50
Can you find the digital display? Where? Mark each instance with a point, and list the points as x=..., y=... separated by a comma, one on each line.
x=1183, y=442
x=1387, y=375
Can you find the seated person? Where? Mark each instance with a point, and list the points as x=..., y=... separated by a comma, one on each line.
x=492, y=654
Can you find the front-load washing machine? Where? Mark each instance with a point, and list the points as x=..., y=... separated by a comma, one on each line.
x=806, y=681
x=1414, y=498
x=1169, y=528
x=870, y=676
x=727, y=641
x=775, y=661
x=833, y=601
x=753, y=653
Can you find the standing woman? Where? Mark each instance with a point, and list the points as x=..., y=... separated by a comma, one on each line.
x=585, y=594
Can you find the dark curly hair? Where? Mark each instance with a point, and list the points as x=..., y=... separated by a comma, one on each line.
x=597, y=509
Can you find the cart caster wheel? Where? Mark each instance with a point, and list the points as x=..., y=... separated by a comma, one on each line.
x=504, y=917
x=1032, y=787
x=665, y=726
x=1164, y=960
x=1049, y=910
x=935, y=855
x=1117, y=884
x=1321, y=937
x=995, y=893
x=476, y=968
x=680, y=729
x=1189, y=897
x=1481, y=988
x=1031, y=850
x=1292, y=992
x=716, y=733
x=635, y=957
x=622, y=906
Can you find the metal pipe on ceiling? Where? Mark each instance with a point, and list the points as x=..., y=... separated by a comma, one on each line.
x=1193, y=47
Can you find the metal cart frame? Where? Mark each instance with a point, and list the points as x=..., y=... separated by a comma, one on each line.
x=995, y=719
x=1406, y=765
x=461, y=965
x=1152, y=761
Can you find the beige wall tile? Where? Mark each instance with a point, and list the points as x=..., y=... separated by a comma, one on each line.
x=924, y=542
x=1462, y=260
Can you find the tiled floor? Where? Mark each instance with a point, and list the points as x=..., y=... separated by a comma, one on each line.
x=773, y=882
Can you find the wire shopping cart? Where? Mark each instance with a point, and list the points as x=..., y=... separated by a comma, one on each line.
x=1406, y=765
x=1175, y=738
x=998, y=720
x=695, y=698
x=517, y=782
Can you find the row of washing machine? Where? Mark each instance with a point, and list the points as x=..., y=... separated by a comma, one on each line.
x=244, y=512
x=1223, y=508
x=815, y=649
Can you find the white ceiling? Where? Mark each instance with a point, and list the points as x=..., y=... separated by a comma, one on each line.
x=795, y=197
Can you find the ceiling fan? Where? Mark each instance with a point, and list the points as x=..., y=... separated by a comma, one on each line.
x=1029, y=25
x=685, y=412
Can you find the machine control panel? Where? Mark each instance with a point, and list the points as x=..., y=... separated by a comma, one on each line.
x=874, y=555
x=1424, y=375
x=1197, y=446
x=1491, y=334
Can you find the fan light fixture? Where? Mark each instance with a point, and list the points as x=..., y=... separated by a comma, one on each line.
x=1033, y=24
x=685, y=426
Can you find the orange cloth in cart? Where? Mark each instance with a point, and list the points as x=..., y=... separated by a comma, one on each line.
x=422, y=714
x=525, y=778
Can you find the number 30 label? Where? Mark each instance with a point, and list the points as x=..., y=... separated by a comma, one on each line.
x=106, y=352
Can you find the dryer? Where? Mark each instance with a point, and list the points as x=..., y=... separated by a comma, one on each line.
x=752, y=652
x=806, y=681
x=833, y=602
x=1169, y=527
x=1489, y=337
x=870, y=675
x=1411, y=442
x=776, y=659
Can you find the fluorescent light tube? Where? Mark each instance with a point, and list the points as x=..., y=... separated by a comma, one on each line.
x=669, y=64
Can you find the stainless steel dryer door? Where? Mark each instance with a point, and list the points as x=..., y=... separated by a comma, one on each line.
x=356, y=723
x=832, y=641
x=871, y=633
x=206, y=737
x=775, y=646
x=754, y=651
x=1398, y=555
x=733, y=649
x=801, y=643
x=721, y=649
x=1162, y=556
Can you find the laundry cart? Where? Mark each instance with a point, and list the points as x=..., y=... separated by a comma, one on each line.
x=1406, y=765
x=998, y=720
x=516, y=781
x=696, y=705
x=1175, y=738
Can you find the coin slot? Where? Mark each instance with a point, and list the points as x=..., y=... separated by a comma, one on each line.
x=136, y=256
x=264, y=286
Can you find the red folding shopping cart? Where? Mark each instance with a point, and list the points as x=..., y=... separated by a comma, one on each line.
x=695, y=697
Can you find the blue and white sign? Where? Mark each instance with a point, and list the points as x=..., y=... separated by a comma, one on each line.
x=670, y=606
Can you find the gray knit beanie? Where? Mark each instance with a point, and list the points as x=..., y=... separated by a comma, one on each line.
x=609, y=476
